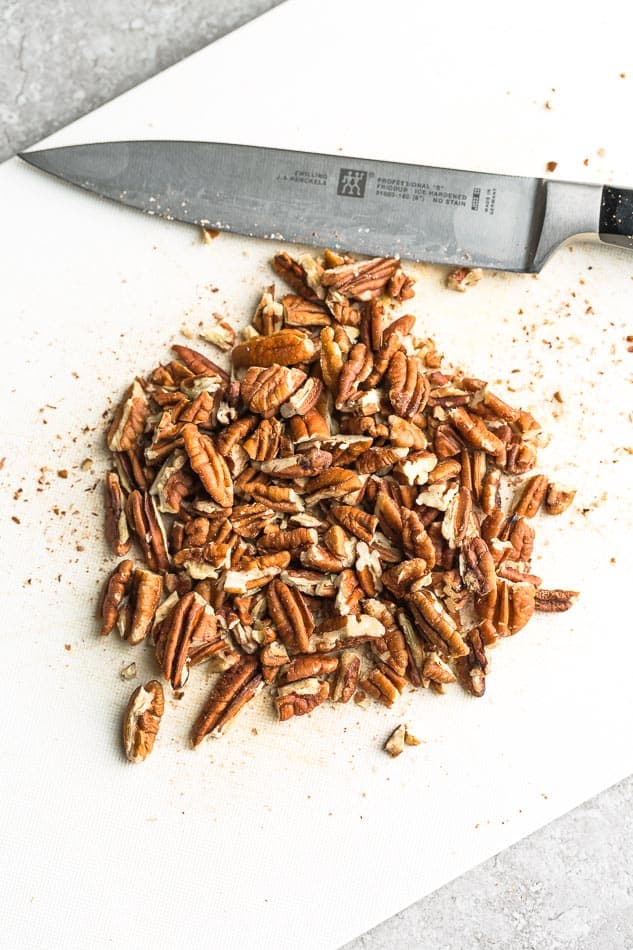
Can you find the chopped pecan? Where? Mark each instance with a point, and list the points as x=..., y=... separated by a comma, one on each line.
x=331, y=358
x=532, y=497
x=129, y=420
x=304, y=465
x=285, y=348
x=220, y=333
x=232, y=691
x=146, y=523
x=475, y=431
x=273, y=657
x=476, y=566
x=472, y=668
x=116, y=528
x=269, y=313
x=349, y=594
x=318, y=558
x=306, y=665
x=304, y=399
x=290, y=615
x=299, y=312
x=340, y=543
x=515, y=604
x=264, y=443
x=410, y=575
x=361, y=280
x=354, y=371
x=456, y=524
x=235, y=433
x=383, y=684
x=294, y=275
x=208, y=465
x=415, y=540
x=311, y=583
x=553, y=601
x=406, y=434
x=395, y=743
x=292, y=539
x=136, y=616
x=115, y=591
x=437, y=626
x=311, y=426
x=199, y=364
x=336, y=482
x=300, y=698
x=408, y=387
x=360, y=523
x=464, y=277
x=368, y=569
x=391, y=648
x=248, y=521
x=141, y=720
x=379, y=459
x=346, y=677
x=264, y=389
x=558, y=499
x=400, y=286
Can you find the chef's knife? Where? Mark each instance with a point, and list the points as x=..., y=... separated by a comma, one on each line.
x=444, y=215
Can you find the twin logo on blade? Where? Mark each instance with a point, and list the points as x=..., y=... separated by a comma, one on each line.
x=351, y=183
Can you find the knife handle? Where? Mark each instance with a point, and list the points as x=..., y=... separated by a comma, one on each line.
x=616, y=216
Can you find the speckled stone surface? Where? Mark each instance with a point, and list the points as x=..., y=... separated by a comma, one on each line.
x=570, y=885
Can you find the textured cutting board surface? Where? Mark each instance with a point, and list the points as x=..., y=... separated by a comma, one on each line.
x=305, y=834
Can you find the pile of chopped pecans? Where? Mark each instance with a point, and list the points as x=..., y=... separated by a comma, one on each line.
x=326, y=520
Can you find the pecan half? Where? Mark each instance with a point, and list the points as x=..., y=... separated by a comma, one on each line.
x=408, y=387
x=264, y=389
x=208, y=465
x=360, y=523
x=307, y=665
x=293, y=274
x=141, y=720
x=477, y=567
x=285, y=348
x=232, y=691
x=471, y=669
x=474, y=431
x=189, y=619
x=299, y=312
x=532, y=497
x=135, y=618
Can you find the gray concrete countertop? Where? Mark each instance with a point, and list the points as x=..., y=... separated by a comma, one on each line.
x=570, y=885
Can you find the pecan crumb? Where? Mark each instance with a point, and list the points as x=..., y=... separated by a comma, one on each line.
x=551, y=166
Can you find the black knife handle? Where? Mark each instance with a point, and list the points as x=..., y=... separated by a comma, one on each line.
x=616, y=216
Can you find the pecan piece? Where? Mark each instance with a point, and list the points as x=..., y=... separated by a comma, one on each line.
x=415, y=540
x=408, y=387
x=331, y=359
x=379, y=460
x=532, y=497
x=264, y=443
x=406, y=434
x=129, y=419
x=361, y=280
x=141, y=720
x=199, y=364
x=307, y=665
x=437, y=625
x=299, y=312
x=515, y=604
x=354, y=371
x=464, y=277
x=471, y=669
x=231, y=692
x=391, y=648
x=273, y=657
x=264, y=389
x=294, y=275
x=407, y=576
x=553, y=601
x=190, y=618
x=558, y=499
x=116, y=528
x=346, y=677
x=456, y=524
x=208, y=465
x=146, y=523
x=383, y=684
x=136, y=617
x=292, y=539
x=477, y=567
x=269, y=313
x=474, y=431
x=333, y=483
x=290, y=615
x=300, y=698
x=304, y=399
x=248, y=521
x=360, y=523
x=285, y=348
x=115, y=590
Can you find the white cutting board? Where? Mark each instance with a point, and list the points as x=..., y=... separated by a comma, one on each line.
x=306, y=833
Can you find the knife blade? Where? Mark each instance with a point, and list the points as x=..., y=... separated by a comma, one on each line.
x=441, y=215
